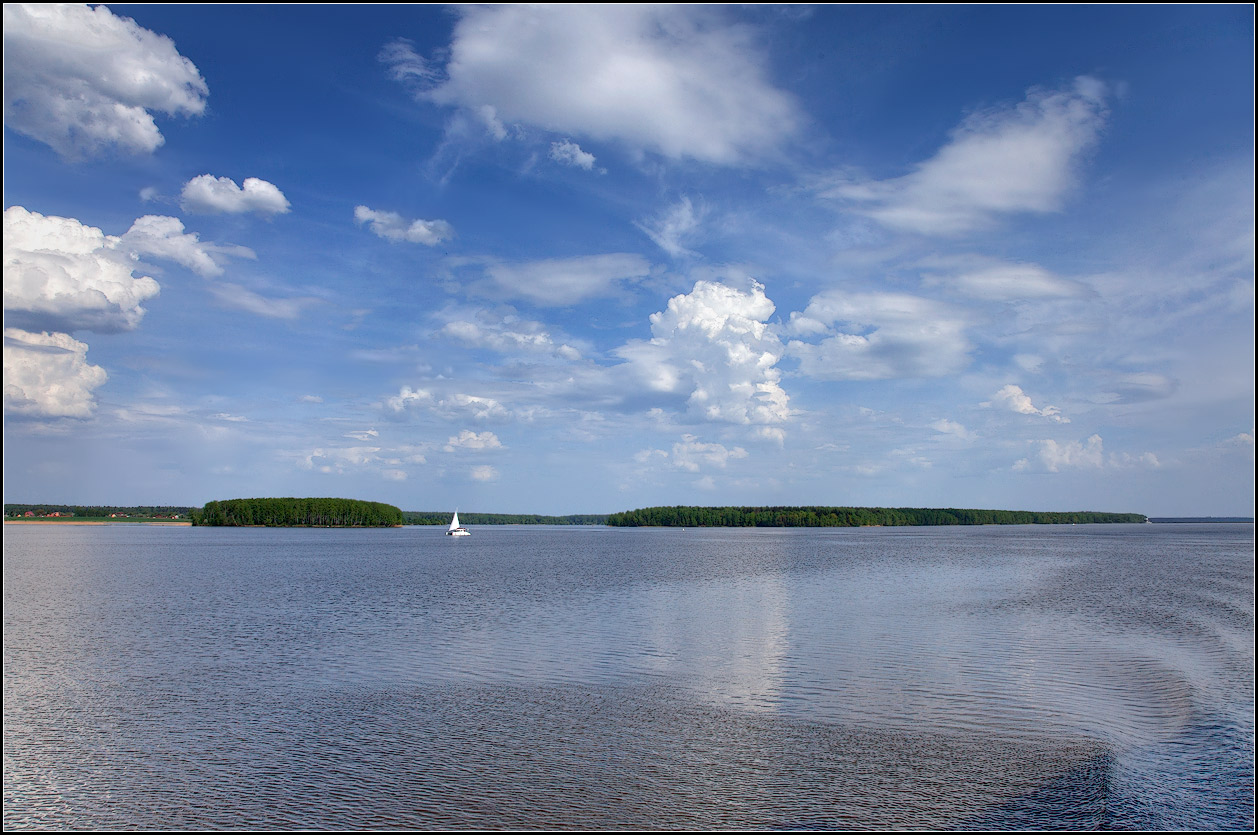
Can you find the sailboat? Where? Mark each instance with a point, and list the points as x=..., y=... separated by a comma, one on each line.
x=455, y=529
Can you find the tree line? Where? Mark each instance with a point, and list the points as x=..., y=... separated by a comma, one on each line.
x=289, y=512
x=846, y=517
x=442, y=517
x=98, y=511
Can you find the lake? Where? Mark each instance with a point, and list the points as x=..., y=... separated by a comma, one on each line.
x=1020, y=677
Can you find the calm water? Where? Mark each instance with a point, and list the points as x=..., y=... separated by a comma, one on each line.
x=1075, y=677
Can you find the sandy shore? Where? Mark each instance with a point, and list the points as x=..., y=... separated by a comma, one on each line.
x=88, y=522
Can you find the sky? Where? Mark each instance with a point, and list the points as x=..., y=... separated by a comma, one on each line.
x=582, y=259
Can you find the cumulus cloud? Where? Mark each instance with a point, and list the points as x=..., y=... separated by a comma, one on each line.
x=393, y=227
x=1012, y=398
x=878, y=336
x=220, y=195
x=714, y=346
x=1056, y=456
x=570, y=153
x=484, y=472
x=60, y=275
x=473, y=441
x=675, y=80
x=669, y=229
x=1089, y=454
x=82, y=80
x=998, y=161
x=47, y=375
x=691, y=454
x=407, y=399
x=559, y=282
x=470, y=405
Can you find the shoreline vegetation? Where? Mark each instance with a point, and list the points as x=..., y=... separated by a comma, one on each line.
x=851, y=517
x=321, y=512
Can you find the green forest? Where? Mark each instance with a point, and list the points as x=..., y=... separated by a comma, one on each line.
x=98, y=511
x=442, y=517
x=847, y=517
x=289, y=512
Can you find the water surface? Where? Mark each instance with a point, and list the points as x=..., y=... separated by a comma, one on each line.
x=548, y=677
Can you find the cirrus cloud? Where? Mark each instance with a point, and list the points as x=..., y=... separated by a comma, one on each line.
x=879, y=336
x=999, y=161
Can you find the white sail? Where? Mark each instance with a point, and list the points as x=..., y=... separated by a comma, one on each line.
x=455, y=528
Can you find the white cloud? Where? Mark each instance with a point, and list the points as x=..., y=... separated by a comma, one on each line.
x=1085, y=455
x=991, y=279
x=82, y=80
x=456, y=406
x=676, y=80
x=214, y=195
x=669, y=229
x=507, y=334
x=484, y=472
x=1243, y=440
x=164, y=237
x=47, y=375
x=690, y=454
x=999, y=161
x=241, y=298
x=714, y=346
x=1012, y=397
x=473, y=441
x=570, y=153
x=393, y=227
x=1070, y=455
x=564, y=281
x=60, y=275
x=470, y=405
x=950, y=427
x=878, y=336
x=342, y=460
x=407, y=398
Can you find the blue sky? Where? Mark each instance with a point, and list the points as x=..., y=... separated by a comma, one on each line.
x=583, y=259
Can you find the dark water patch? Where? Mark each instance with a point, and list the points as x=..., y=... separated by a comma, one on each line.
x=570, y=758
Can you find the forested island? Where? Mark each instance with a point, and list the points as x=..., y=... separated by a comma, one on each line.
x=291, y=513
x=849, y=517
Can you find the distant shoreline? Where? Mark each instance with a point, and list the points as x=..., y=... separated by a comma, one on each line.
x=94, y=522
